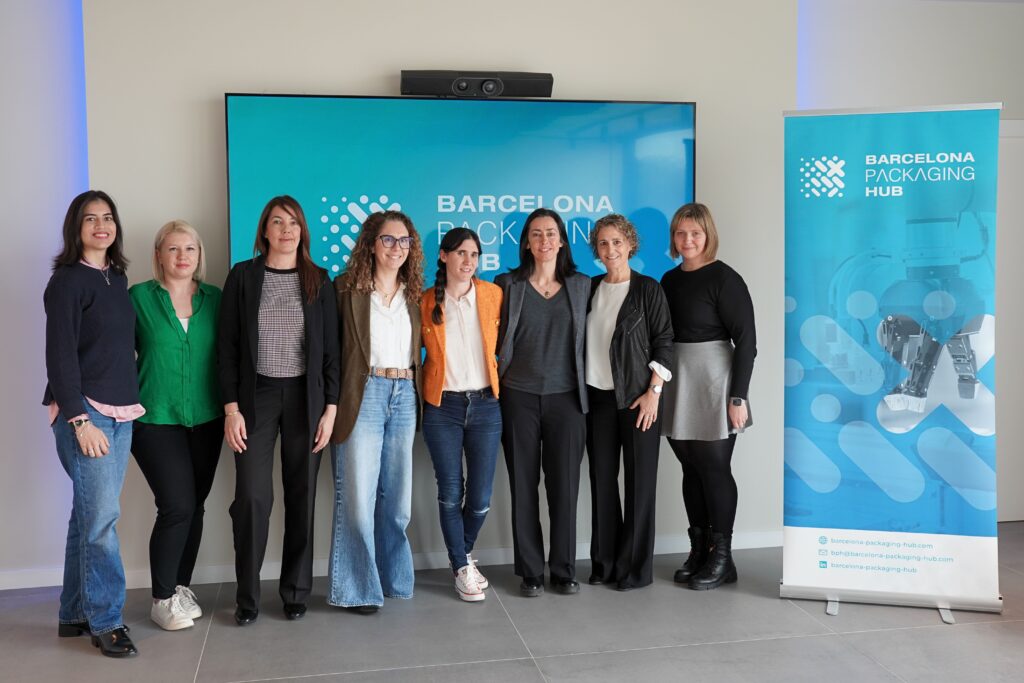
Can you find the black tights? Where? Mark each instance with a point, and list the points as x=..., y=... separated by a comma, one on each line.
x=709, y=490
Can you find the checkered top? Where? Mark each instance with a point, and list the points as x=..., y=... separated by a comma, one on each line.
x=282, y=351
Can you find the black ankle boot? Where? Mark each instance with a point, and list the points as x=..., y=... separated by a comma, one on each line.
x=699, y=540
x=719, y=568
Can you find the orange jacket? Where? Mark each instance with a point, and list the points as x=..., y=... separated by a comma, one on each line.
x=488, y=306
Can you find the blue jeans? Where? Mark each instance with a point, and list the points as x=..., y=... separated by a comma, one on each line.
x=370, y=553
x=470, y=422
x=93, y=574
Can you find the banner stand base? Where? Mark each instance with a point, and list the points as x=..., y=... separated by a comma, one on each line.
x=944, y=604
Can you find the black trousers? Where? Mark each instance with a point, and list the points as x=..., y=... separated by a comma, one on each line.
x=622, y=538
x=543, y=433
x=709, y=489
x=280, y=408
x=179, y=464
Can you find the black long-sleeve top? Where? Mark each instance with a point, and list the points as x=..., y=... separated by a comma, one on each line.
x=712, y=303
x=90, y=339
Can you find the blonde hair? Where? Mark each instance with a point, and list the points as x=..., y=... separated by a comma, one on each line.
x=185, y=229
x=701, y=215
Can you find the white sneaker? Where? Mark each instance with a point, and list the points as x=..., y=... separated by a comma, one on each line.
x=188, y=601
x=481, y=580
x=466, y=585
x=169, y=614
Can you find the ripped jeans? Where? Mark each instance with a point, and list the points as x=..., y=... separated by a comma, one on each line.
x=470, y=423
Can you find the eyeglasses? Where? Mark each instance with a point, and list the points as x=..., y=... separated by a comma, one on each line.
x=389, y=241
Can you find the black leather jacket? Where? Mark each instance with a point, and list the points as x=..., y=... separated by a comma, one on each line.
x=643, y=333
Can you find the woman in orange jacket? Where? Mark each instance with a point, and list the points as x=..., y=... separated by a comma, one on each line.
x=460, y=317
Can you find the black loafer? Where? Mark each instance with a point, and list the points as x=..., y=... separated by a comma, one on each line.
x=532, y=586
x=244, y=617
x=596, y=580
x=624, y=586
x=363, y=609
x=294, y=610
x=78, y=628
x=115, y=643
x=565, y=586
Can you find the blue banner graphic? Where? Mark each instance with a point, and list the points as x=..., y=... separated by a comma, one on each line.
x=483, y=164
x=890, y=443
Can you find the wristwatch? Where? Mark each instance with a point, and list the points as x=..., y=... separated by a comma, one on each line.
x=736, y=401
x=656, y=388
x=78, y=424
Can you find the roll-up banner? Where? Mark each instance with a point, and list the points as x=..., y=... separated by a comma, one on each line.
x=890, y=434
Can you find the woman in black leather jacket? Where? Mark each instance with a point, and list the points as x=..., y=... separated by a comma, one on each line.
x=629, y=347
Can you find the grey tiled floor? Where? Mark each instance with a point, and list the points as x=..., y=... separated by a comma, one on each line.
x=742, y=632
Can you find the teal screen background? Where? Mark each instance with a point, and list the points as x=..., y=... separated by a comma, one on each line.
x=344, y=157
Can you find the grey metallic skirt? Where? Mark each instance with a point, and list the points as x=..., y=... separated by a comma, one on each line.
x=697, y=398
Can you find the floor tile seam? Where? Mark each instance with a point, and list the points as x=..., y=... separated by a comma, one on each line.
x=959, y=624
x=355, y=672
x=682, y=645
x=206, y=636
x=521, y=639
x=816, y=618
x=870, y=658
x=1012, y=569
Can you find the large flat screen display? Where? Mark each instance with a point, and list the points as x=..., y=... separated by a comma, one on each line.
x=483, y=164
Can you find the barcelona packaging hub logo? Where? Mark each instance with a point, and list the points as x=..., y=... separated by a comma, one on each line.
x=822, y=176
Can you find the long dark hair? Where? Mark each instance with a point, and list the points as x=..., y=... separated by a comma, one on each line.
x=564, y=265
x=362, y=264
x=311, y=276
x=71, y=252
x=449, y=243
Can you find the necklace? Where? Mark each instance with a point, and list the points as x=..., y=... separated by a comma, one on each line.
x=544, y=291
x=105, y=274
x=386, y=296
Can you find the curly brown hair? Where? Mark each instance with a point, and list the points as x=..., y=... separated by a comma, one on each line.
x=362, y=264
x=620, y=223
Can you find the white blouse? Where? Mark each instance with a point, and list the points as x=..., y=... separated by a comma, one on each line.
x=390, y=332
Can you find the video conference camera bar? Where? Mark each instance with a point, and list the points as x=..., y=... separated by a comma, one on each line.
x=477, y=84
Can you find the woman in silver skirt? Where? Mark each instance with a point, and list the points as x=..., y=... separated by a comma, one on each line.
x=706, y=404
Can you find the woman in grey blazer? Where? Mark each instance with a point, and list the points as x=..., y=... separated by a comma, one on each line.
x=543, y=398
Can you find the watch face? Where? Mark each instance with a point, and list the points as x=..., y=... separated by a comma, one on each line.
x=737, y=401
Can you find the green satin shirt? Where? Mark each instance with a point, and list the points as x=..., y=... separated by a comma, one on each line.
x=177, y=370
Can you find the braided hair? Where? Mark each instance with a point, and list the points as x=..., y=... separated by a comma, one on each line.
x=449, y=243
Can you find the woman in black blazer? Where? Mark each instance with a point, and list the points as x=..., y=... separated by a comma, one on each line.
x=279, y=373
x=543, y=398
x=629, y=349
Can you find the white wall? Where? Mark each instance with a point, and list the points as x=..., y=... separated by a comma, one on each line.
x=879, y=53
x=156, y=74
x=156, y=78
x=42, y=167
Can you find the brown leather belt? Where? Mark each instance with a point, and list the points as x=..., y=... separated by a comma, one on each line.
x=392, y=373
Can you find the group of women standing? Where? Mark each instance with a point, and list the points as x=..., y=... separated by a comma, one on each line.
x=170, y=367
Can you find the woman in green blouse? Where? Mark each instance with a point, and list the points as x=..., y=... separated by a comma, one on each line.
x=177, y=442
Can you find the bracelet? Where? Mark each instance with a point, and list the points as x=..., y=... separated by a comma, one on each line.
x=233, y=412
x=78, y=424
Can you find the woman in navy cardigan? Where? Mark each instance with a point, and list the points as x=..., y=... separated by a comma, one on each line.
x=93, y=396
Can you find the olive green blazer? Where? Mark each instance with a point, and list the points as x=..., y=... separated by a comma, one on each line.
x=354, y=333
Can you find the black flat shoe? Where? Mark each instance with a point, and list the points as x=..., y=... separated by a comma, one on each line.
x=116, y=643
x=565, y=586
x=244, y=617
x=363, y=609
x=532, y=586
x=78, y=628
x=294, y=610
x=596, y=580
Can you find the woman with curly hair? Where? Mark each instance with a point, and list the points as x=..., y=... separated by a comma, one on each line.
x=379, y=311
